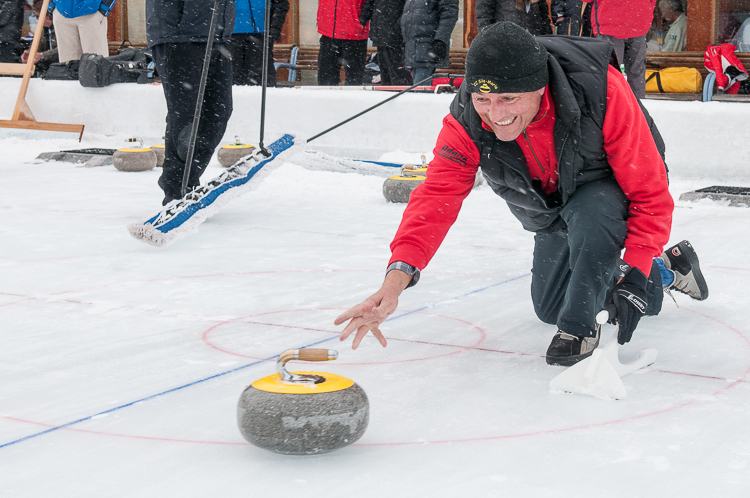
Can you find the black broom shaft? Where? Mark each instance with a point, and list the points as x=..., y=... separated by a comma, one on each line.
x=199, y=103
x=415, y=85
x=264, y=82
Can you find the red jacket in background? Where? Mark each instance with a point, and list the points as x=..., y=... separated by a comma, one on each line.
x=621, y=18
x=340, y=19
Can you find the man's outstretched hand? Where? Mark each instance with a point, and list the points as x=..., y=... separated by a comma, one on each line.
x=373, y=311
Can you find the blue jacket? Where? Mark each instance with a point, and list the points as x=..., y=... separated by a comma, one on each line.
x=78, y=8
x=251, y=15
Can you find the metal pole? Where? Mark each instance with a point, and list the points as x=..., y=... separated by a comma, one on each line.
x=264, y=83
x=369, y=109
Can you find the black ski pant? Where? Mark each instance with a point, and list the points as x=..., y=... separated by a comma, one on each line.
x=247, y=60
x=391, y=63
x=179, y=65
x=575, y=268
x=333, y=53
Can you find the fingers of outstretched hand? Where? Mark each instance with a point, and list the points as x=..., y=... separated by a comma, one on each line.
x=362, y=319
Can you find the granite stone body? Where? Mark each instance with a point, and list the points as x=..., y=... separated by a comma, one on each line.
x=229, y=156
x=159, y=151
x=395, y=190
x=303, y=424
x=141, y=160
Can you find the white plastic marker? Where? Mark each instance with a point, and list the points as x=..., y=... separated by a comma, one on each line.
x=600, y=374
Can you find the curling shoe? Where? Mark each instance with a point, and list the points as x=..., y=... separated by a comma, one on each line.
x=683, y=262
x=567, y=350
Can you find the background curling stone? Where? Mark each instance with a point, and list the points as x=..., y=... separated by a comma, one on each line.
x=228, y=155
x=159, y=151
x=399, y=188
x=134, y=159
x=303, y=413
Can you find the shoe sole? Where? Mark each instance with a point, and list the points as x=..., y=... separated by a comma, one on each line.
x=696, y=269
x=568, y=361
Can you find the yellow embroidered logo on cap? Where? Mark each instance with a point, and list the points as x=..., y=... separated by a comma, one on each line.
x=485, y=86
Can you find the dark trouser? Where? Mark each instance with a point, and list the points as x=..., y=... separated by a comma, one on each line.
x=391, y=63
x=247, y=60
x=333, y=53
x=7, y=52
x=632, y=53
x=179, y=65
x=574, y=269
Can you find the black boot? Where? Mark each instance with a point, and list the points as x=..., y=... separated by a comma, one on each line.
x=567, y=350
x=683, y=262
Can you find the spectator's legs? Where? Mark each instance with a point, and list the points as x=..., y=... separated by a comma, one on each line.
x=329, y=62
x=179, y=65
x=92, y=31
x=632, y=53
x=421, y=73
x=68, y=41
x=255, y=61
x=7, y=52
x=240, y=59
x=391, y=63
x=635, y=64
x=354, y=58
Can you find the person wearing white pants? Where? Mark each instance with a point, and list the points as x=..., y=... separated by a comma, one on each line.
x=81, y=27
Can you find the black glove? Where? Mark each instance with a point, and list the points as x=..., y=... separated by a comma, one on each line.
x=630, y=299
x=439, y=49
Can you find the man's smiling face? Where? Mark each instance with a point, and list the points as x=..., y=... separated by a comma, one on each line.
x=507, y=114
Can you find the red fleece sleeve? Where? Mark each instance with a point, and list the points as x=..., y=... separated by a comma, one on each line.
x=640, y=171
x=434, y=206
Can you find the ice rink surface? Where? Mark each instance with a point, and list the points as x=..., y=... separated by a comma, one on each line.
x=122, y=364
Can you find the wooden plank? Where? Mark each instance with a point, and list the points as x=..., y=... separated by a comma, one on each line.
x=12, y=69
x=36, y=125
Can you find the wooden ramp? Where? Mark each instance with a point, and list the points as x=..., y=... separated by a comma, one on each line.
x=22, y=116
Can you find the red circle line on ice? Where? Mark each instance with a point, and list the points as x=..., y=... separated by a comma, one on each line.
x=694, y=401
x=458, y=348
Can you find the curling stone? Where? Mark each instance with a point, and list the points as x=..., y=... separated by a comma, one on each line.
x=137, y=159
x=159, y=151
x=399, y=188
x=228, y=155
x=303, y=413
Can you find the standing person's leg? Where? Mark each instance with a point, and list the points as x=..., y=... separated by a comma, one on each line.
x=329, y=62
x=271, y=78
x=241, y=59
x=216, y=111
x=255, y=56
x=354, y=56
x=383, y=58
x=635, y=64
x=92, y=31
x=180, y=73
x=391, y=62
x=66, y=33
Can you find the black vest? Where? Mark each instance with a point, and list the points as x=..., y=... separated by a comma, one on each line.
x=578, y=87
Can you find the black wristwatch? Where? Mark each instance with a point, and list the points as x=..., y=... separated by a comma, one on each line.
x=406, y=268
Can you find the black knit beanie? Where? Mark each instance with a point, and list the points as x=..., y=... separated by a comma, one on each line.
x=505, y=58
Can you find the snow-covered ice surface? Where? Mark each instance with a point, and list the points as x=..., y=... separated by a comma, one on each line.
x=121, y=364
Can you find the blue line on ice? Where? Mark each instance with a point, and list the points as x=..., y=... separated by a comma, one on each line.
x=52, y=429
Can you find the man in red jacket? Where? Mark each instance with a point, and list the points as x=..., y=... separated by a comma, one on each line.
x=343, y=40
x=560, y=136
x=625, y=24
